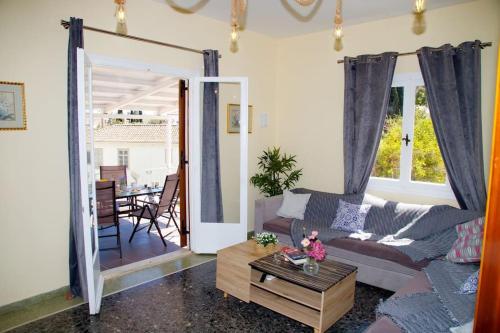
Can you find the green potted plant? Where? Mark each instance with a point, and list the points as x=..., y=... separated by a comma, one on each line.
x=276, y=172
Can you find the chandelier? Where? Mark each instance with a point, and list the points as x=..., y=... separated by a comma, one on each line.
x=239, y=7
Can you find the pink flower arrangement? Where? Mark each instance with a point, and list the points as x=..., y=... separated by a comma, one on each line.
x=313, y=246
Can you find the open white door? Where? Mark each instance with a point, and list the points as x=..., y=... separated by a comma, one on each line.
x=95, y=279
x=206, y=237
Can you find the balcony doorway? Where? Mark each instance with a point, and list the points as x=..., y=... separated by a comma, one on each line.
x=137, y=128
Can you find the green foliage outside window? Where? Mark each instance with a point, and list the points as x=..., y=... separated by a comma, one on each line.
x=427, y=163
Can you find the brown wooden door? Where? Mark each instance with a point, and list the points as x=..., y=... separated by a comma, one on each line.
x=183, y=176
x=487, y=317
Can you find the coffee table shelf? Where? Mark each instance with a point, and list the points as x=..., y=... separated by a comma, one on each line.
x=285, y=306
x=309, y=298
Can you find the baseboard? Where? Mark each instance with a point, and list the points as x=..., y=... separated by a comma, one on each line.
x=19, y=305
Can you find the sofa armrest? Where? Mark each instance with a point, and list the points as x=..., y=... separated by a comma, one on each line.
x=265, y=210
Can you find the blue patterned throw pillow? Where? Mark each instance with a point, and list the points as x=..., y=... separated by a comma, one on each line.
x=350, y=217
x=470, y=285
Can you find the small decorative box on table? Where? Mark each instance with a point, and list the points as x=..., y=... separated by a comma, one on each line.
x=317, y=301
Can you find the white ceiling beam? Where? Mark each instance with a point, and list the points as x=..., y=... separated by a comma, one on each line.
x=157, y=103
x=141, y=95
x=105, y=100
x=111, y=79
x=167, y=93
x=113, y=90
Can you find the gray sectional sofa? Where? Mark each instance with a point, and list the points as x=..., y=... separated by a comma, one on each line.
x=378, y=265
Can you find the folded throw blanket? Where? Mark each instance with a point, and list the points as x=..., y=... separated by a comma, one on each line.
x=417, y=313
x=419, y=231
x=436, y=311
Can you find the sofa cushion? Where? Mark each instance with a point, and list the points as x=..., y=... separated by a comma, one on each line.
x=279, y=225
x=472, y=227
x=467, y=247
x=350, y=217
x=294, y=205
x=374, y=249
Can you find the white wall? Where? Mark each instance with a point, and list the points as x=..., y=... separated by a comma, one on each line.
x=310, y=83
x=142, y=157
x=34, y=237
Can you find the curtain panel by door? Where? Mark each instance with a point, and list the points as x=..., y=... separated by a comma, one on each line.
x=211, y=193
x=77, y=271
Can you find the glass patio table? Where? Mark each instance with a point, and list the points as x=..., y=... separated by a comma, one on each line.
x=133, y=193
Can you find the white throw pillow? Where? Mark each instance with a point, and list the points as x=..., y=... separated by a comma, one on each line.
x=294, y=205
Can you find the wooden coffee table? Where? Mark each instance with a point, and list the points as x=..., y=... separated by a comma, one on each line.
x=233, y=271
x=317, y=301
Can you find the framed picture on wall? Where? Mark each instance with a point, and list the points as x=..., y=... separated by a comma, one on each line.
x=233, y=118
x=12, y=106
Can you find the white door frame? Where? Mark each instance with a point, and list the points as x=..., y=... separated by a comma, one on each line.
x=95, y=291
x=210, y=237
x=95, y=280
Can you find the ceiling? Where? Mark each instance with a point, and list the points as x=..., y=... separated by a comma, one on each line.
x=116, y=89
x=285, y=18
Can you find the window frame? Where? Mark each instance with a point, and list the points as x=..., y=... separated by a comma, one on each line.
x=410, y=82
x=119, y=153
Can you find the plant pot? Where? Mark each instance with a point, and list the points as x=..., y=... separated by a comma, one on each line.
x=270, y=248
x=311, y=266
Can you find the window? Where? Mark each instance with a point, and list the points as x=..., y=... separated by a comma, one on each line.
x=123, y=157
x=408, y=158
x=135, y=113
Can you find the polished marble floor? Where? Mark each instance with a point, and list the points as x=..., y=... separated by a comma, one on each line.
x=188, y=301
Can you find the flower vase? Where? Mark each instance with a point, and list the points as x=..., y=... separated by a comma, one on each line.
x=311, y=266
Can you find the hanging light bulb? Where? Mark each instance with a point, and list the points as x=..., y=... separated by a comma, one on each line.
x=338, y=31
x=419, y=24
x=419, y=6
x=234, y=33
x=238, y=8
x=121, y=24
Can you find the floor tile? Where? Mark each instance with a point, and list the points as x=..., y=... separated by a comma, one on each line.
x=58, y=303
x=189, y=302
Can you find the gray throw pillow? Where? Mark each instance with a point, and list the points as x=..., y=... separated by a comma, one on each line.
x=350, y=217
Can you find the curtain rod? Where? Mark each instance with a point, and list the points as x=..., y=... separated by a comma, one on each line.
x=66, y=24
x=482, y=45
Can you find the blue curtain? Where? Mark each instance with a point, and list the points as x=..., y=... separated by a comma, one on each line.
x=77, y=272
x=368, y=80
x=452, y=79
x=211, y=194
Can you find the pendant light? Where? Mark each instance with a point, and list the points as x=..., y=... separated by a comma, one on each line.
x=338, y=31
x=419, y=24
x=121, y=24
